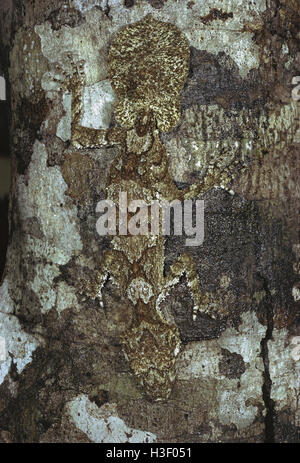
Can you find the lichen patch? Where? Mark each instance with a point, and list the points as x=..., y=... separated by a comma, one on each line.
x=102, y=425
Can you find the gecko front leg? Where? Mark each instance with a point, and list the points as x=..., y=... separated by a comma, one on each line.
x=185, y=265
x=217, y=178
x=114, y=265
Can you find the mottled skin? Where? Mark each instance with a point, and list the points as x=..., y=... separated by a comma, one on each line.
x=148, y=64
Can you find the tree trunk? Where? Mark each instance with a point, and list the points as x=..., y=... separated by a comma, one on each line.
x=64, y=376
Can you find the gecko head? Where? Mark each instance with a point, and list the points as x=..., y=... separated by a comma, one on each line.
x=147, y=65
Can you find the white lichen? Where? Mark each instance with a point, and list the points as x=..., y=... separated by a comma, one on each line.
x=41, y=196
x=64, y=126
x=284, y=367
x=102, y=425
x=295, y=348
x=66, y=297
x=200, y=360
x=296, y=293
x=98, y=102
x=17, y=346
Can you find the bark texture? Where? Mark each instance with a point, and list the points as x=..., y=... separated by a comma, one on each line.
x=63, y=375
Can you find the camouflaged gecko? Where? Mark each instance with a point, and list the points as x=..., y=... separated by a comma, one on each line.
x=148, y=63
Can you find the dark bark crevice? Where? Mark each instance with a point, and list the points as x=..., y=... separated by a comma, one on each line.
x=267, y=383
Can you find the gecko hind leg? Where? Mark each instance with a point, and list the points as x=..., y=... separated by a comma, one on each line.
x=114, y=266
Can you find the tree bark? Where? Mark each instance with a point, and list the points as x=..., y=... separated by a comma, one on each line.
x=63, y=373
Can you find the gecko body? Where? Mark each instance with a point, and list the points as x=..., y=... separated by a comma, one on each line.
x=147, y=65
